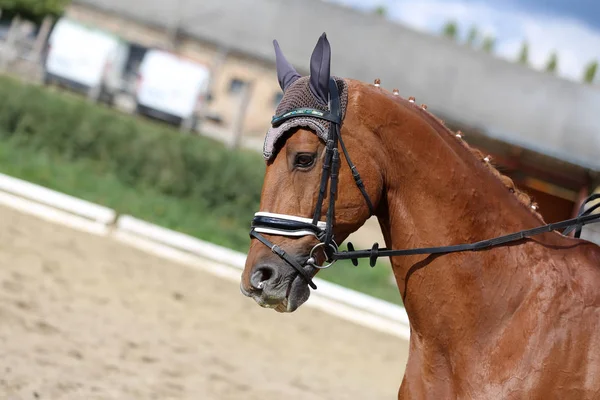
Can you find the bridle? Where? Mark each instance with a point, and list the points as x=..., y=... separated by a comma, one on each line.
x=288, y=225
x=294, y=226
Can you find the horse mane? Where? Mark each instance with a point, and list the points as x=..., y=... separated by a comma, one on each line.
x=441, y=127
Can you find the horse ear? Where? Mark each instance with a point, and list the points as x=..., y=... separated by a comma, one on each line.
x=286, y=73
x=320, y=66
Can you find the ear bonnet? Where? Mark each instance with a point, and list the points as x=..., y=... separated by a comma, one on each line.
x=304, y=92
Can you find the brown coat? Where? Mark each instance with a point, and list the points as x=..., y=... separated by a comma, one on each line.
x=518, y=321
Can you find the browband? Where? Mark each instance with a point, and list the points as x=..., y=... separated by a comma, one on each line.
x=305, y=112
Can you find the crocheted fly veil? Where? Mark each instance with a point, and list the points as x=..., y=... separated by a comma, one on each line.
x=304, y=92
x=298, y=95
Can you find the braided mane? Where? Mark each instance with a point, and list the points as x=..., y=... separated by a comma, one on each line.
x=439, y=125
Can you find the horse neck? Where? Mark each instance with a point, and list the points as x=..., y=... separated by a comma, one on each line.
x=438, y=193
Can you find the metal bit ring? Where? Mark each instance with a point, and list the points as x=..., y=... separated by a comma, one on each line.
x=312, y=261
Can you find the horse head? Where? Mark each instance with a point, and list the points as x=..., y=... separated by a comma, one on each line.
x=298, y=222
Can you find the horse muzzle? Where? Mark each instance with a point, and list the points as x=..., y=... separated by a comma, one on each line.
x=281, y=289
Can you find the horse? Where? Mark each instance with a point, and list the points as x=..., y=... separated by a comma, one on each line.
x=514, y=319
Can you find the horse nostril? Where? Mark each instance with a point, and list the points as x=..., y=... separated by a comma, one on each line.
x=261, y=276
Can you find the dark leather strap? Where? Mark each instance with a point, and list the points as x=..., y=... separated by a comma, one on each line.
x=324, y=179
x=334, y=134
x=357, y=179
x=375, y=252
x=282, y=254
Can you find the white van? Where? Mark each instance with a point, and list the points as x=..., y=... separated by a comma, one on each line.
x=171, y=88
x=85, y=58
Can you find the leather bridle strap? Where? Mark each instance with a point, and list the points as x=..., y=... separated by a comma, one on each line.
x=357, y=178
x=375, y=252
x=334, y=134
x=286, y=257
x=331, y=167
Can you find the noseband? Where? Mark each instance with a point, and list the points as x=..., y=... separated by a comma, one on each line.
x=289, y=225
x=294, y=226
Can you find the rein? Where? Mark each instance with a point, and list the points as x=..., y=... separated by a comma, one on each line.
x=294, y=226
x=375, y=252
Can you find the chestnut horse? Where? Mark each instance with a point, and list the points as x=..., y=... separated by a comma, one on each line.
x=514, y=321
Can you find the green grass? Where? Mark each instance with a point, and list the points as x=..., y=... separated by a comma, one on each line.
x=87, y=179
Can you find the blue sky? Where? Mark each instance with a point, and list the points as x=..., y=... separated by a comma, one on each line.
x=571, y=28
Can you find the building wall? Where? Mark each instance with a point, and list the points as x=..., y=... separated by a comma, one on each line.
x=113, y=23
x=234, y=68
x=505, y=100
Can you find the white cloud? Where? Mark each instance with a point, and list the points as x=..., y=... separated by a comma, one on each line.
x=575, y=43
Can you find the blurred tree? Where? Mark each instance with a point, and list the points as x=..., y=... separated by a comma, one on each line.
x=450, y=30
x=590, y=72
x=524, y=54
x=472, y=36
x=552, y=63
x=488, y=44
x=33, y=10
x=380, y=10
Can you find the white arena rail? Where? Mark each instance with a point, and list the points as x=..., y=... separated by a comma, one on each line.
x=138, y=227
x=57, y=200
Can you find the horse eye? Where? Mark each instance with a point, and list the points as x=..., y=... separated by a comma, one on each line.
x=304, y=160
